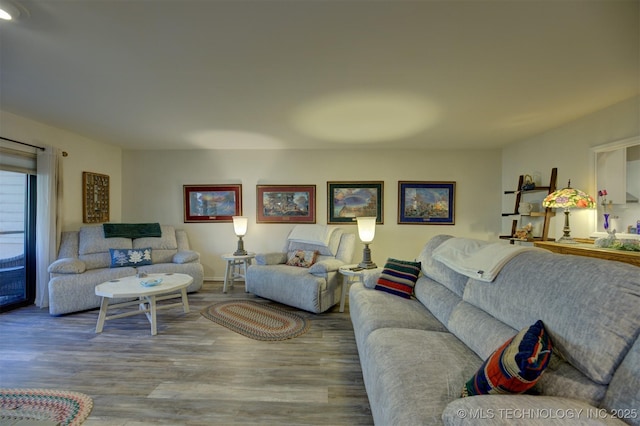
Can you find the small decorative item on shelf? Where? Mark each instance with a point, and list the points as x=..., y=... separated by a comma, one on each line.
x=606, y=242
x=525, y=208
x=528, y=183
x=524, y=234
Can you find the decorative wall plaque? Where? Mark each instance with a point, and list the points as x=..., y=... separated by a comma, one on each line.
x=95, y=197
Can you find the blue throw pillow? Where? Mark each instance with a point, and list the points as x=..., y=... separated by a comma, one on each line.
x=130, y=257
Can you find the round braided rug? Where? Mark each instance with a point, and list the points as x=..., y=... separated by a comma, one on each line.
x=256, y=320
x=63, y=407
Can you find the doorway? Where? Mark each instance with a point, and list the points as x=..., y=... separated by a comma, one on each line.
x=17, y=239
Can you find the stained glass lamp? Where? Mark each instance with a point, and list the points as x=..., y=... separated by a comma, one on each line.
x=568, y=198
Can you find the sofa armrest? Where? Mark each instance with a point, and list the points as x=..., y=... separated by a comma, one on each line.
x=525, y=410
x=67, y=265
x=325, y=266
x=274, y=258
x=186, y=256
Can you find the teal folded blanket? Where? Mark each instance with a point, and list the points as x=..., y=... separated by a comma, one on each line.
x=131, y=230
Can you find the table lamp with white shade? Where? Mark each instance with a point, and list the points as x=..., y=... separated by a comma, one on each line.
x=366, y=231
x=240, y=228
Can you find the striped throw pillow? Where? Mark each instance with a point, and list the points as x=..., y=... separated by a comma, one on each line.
x=514, y=367
x=399, y=277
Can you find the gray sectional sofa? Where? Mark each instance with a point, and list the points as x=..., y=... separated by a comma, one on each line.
x=84, y=261
x=416, y=354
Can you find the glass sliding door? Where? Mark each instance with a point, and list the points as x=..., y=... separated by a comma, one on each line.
x=17, y=239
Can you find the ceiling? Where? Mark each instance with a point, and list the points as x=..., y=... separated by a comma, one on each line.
x=317, y=74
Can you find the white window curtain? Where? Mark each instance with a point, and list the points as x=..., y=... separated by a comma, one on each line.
x=48, y=218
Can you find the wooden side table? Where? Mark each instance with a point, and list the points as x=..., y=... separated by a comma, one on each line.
x=236, y=268
x=585, y=247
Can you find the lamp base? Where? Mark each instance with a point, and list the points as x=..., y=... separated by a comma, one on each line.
x=566, y=230
x=567, y=240
x=367, y=265
x=366, y=259
x=240, y=251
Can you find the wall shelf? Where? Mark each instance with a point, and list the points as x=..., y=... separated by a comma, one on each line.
x=547, y=214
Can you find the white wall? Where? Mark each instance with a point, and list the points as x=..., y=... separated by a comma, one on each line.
x=569, y=149
x=84, y=155
x=153, y=180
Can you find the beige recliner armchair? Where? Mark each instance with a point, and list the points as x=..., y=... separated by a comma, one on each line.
x=315, y=284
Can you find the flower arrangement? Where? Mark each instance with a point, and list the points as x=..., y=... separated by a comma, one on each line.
x=602, y=194
x=606, y=207
x=610, y=241
x=627, y=245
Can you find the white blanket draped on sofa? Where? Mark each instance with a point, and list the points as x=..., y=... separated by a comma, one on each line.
x=477, y=259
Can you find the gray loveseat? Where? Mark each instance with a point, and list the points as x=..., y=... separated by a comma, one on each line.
x=316, y=288
x=84, y=261
x=416, y=354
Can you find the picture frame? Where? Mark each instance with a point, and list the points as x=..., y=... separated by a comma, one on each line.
x=95, y=197
x=212, y=203
x=426, y=203
x=285, y=204
x=347, y=201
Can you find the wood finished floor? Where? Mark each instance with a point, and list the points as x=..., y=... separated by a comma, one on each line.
x=193, y=372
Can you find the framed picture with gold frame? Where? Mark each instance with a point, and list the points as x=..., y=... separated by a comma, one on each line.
x=95, y=197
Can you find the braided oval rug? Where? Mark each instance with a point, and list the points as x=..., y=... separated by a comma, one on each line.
x=61, y=407
x=258, y=321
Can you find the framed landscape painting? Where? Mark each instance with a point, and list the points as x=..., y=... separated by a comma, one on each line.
x=286, y=203
x=348, y=200
x=426, y=203
x=212, y=203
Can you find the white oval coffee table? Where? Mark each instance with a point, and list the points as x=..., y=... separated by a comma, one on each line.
x=171, y=287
